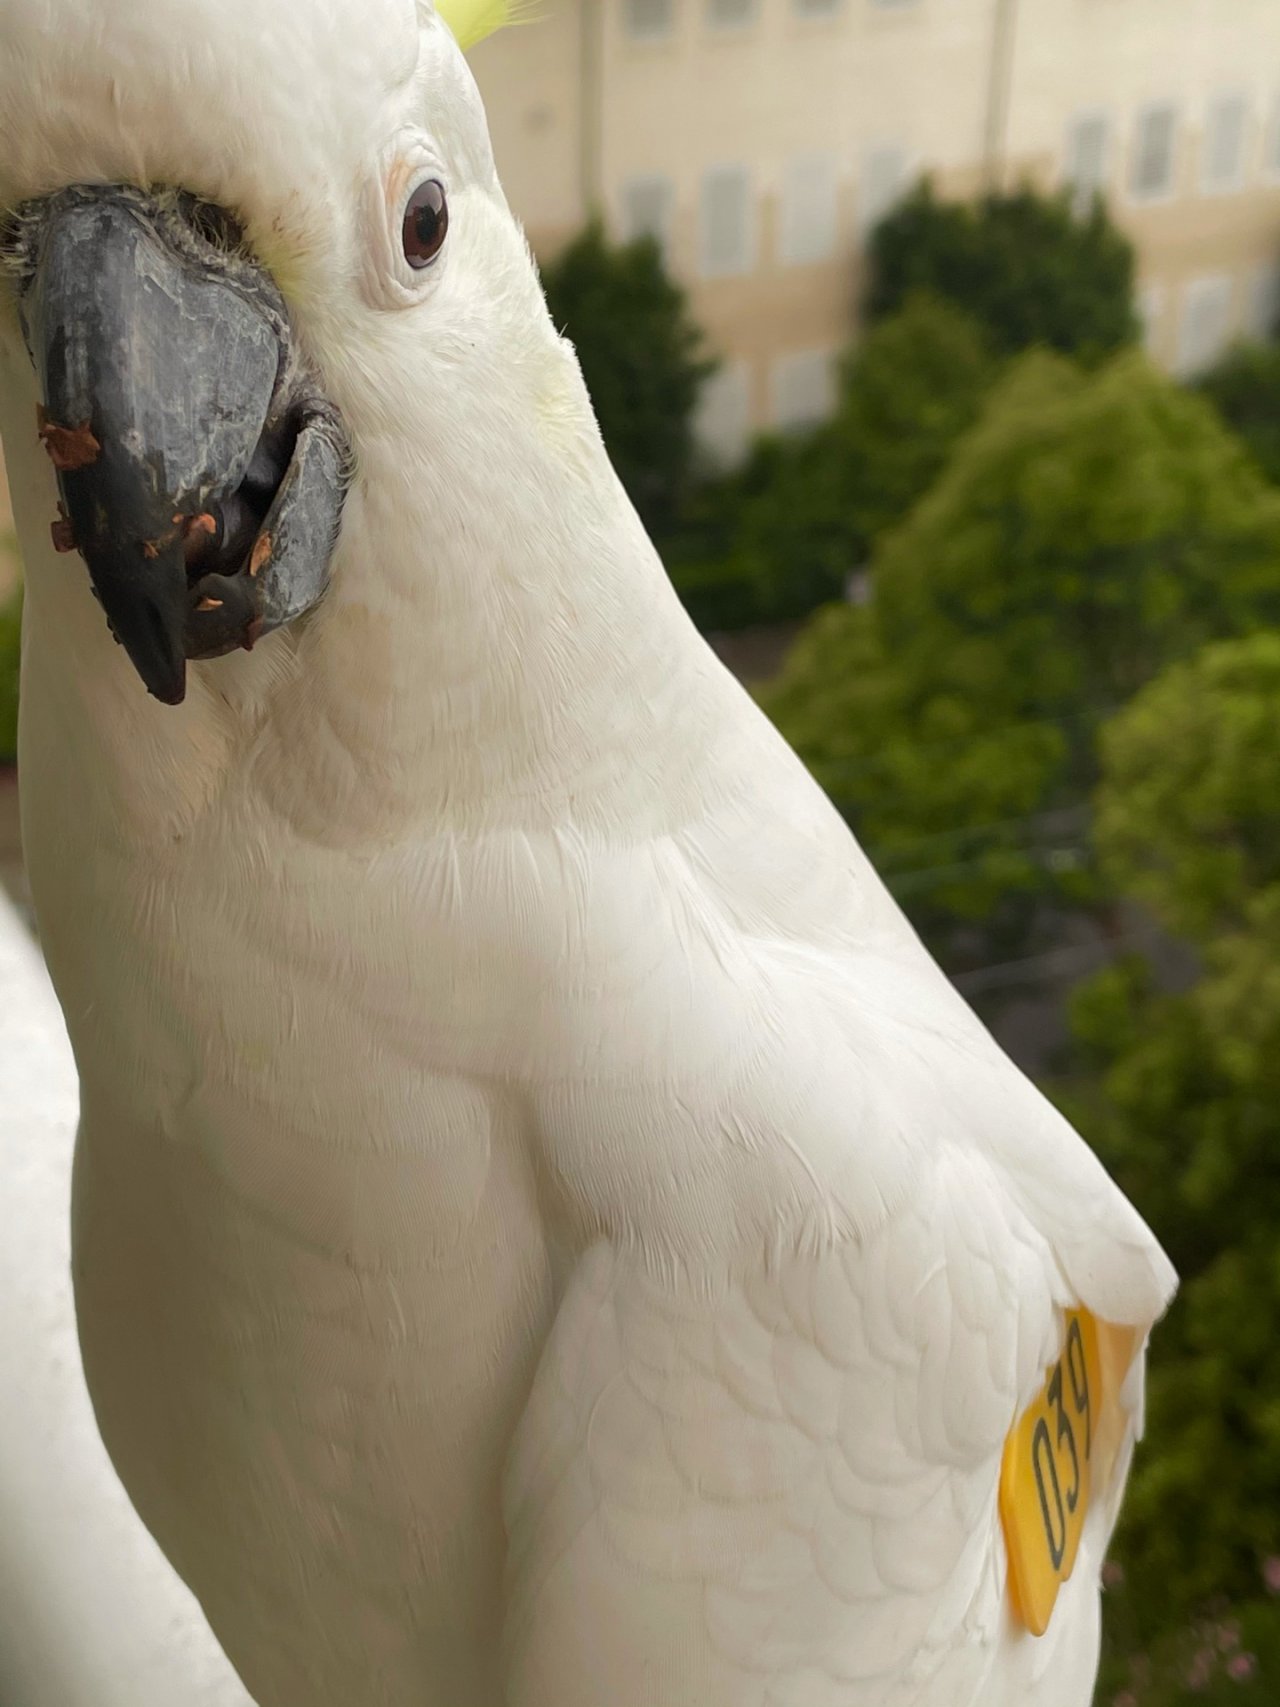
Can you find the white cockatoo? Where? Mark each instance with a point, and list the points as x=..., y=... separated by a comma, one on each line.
x=546, y=1234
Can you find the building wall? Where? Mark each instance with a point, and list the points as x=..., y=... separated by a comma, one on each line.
x=531, y=76
x=1119, y=59
x=825, y=116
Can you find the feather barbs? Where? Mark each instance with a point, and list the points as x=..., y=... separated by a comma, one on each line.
x=472, y=20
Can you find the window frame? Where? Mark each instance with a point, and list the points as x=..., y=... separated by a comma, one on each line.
x=1085, y=116
x=867, y=220
x=823, y=360
x=731, y=26
x=1263, y=285
x=1271, y=142
x=750, y=231
x=1189, y=364
x=799, y=254
x=722, y=420
x=665, y=185
x=1168, y=192
x=647, y=37
x=1152, y=302
x=1232, y=186
x=816, y=11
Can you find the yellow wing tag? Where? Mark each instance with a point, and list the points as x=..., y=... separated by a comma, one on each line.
x=1061, y=1447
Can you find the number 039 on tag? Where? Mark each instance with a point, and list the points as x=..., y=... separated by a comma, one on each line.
x=1046, y=1476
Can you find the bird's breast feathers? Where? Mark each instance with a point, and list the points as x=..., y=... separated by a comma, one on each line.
x=819, y=1247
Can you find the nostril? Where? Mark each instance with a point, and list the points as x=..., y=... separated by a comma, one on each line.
x=213, y=224
x=10, y=231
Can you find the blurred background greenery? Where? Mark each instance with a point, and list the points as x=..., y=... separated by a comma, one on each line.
x=1031, y=590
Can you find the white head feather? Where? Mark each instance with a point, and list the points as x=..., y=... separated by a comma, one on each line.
x=492, y=580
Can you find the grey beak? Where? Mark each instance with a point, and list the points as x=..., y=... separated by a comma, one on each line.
x=179, y=427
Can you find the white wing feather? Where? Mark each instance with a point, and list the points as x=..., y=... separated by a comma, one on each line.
x=771, y=1481
x=784, y=1495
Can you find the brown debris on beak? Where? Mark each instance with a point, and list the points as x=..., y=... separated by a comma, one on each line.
x=62, y=533
x=69, y=448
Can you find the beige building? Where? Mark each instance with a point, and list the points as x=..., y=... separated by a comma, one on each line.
x=759, y=140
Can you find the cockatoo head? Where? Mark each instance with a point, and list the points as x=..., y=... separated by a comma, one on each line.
x=256, y=250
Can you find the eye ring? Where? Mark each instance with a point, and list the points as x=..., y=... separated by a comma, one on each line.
x=425, y=224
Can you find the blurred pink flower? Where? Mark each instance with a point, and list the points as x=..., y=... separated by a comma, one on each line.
x=1241, y=1667
x=1271, y=1574
x=1201, y=1669
x=1126, y=1698
x=1228, y=1638
x=1113, y=1573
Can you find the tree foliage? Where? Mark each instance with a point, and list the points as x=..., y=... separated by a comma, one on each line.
x=909, y=389
x=642, y=358
x=1245, y=388
x=804, y=513
x=1188, y=1124
x=1025, y=266
x=1186, y=1112
x=1089, y=529
x=1189, y=812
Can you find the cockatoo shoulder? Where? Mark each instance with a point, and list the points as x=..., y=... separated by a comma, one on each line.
x=830, y=1235
x=749, y=1049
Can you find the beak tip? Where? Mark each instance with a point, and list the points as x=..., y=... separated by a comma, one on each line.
x=164, y=673
x=147, y=620
x=169, y=693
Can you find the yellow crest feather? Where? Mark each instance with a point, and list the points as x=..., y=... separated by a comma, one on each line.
x=472, y=20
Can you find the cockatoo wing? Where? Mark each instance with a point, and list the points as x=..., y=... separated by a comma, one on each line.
x=780, y=1489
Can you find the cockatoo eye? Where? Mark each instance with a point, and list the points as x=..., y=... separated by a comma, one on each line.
x=426, y=222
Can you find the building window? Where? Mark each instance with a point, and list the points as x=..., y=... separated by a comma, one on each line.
x=1206, y=323
x=1224, y=143
x=727, y=235
x=1151, y=312
x=884, y=178
x=807, y=216
x=649, y=20
x=1154, y=148
x=1271, y=145
x=723, y=420
x=731, y=14
x=1088, y=158
x=646, y=210
x=816, y=8
x=1264, y=303
x=803, y=389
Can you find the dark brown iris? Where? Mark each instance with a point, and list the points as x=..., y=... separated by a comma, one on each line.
x=426, y=220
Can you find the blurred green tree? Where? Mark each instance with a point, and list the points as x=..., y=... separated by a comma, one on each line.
x=1188, y=819
x=1245, y=388
x=802, y=516
x=1088, y=530
x=1027, y=267
x=1182, y=1094
x=643, y=360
